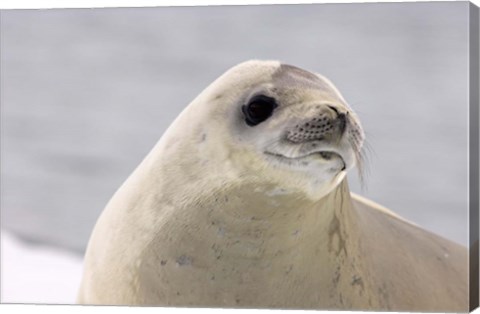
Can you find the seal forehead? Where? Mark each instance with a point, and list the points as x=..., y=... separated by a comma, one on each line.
x=289, y=75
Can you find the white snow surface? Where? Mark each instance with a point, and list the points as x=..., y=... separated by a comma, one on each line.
x=37, y=274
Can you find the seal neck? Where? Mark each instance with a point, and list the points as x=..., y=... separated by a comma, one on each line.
x=260, y=222
x=265, y=241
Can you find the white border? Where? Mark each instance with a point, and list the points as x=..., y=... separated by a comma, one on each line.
x=62, y=309
x=47, y=4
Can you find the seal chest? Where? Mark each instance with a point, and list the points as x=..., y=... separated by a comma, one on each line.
x=244, y=202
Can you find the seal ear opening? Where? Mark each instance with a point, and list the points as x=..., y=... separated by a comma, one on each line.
x=258, y=109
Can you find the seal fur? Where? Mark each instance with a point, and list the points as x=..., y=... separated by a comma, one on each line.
x=222, y=214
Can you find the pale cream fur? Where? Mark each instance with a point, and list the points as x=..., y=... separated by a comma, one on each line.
x=206, y=221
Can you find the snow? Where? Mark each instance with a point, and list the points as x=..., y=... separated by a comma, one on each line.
x=37, y=274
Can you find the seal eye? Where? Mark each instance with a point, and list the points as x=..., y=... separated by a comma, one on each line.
x=259, y=109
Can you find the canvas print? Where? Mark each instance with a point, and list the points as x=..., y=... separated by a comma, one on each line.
x=320, y=156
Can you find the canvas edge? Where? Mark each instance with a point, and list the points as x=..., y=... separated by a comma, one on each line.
x=473, y=156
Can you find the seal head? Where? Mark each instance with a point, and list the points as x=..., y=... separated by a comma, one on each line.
x=276, y=122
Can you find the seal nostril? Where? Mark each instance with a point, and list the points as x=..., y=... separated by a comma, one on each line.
x=342, y=122
x=333, y=108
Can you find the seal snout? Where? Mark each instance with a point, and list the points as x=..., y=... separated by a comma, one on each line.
x=326, y=125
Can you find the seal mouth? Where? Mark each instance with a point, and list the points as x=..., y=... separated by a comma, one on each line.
x=316, y=155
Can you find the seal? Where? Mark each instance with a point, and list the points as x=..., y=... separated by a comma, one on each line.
x=244, y=202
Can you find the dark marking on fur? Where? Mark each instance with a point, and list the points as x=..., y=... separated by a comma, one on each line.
x=184, y=260
x=289, y=269
x=290, y=76
x=336, y=279
x=356, y=280
x=334, y=230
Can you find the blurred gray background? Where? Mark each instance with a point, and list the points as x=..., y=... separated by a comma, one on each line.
x=86, y=93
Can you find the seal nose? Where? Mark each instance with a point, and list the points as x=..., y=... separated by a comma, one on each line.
x=327, y=125
x=342, y=122
x=341, y=119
